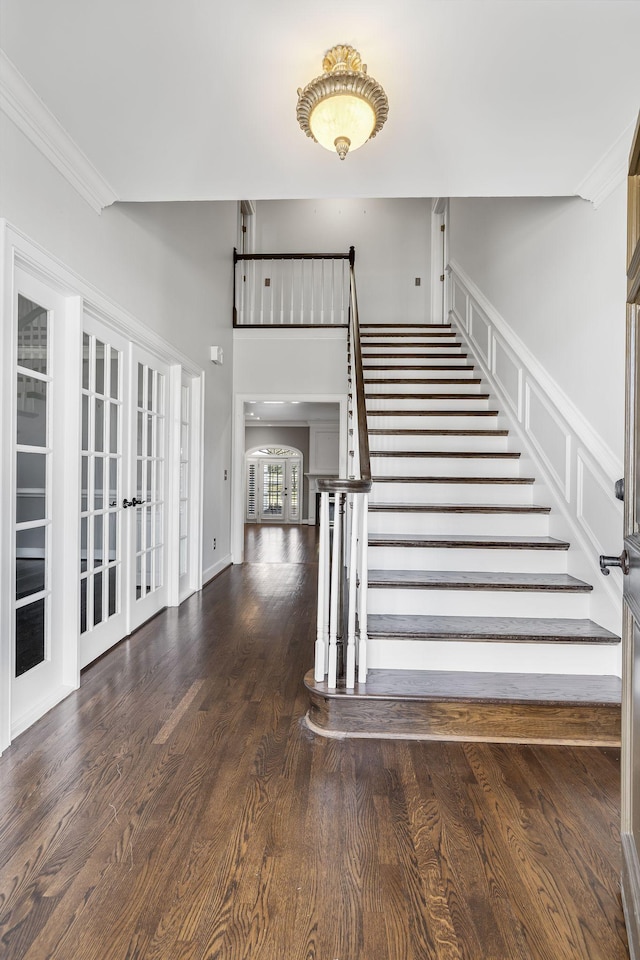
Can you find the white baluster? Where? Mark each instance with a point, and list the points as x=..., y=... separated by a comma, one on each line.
x=362, y=590
x=334, y=611
x=323, y=591
x=353, y=590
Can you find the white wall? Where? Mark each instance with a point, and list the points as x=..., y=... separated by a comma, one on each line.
x=554, y=268
x=392, y=239
x=169, y=265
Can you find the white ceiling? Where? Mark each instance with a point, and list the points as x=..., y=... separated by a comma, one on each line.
x=196, y=99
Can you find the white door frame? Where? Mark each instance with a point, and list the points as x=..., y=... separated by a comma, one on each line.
x=17, y=249
x=439, y=258
x=238, y=451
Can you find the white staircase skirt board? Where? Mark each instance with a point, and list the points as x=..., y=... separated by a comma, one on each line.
x=460, y=558
x=477, y=603
x=481, y=524
x=443, y=492
x=492, y=657
x=444, y=466
x=435, y=443
x=409, y=404
x=450, y=421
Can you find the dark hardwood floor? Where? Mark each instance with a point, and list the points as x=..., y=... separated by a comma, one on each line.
x=176, y=807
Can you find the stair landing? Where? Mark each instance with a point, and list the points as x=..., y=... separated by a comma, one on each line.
x=454, y=705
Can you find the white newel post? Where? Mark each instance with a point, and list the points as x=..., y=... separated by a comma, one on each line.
x=334, y=612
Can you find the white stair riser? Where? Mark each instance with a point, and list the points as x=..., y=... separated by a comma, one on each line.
x=463, y=444
x=392, y=349
x=372, y=375
x=491, y=657
x=481, y=524
x=409, y=404
x=477, y=603
x=458, y=558
x=455, y=421
x=444, y=467
x=520, y=493
x=421, y=388
x=410, y=344
x=400, y=362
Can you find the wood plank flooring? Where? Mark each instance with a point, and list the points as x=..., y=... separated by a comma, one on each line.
x=176, y=808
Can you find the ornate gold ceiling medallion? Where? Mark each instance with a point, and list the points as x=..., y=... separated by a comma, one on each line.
x=344, y=107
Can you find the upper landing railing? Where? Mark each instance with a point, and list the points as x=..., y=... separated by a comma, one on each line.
x=291, y=289
x=310, y=290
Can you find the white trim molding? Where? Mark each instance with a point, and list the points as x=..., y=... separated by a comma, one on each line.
x=609, y=172
x=20, y=102
x=575, y=467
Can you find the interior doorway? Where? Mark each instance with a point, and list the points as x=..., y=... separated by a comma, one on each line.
x=274, y=485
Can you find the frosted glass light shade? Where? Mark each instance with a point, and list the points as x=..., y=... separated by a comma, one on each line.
x=344, y=107
x=343, y=116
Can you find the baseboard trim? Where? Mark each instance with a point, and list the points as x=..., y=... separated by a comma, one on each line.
x=214, y=571
x=38, y=711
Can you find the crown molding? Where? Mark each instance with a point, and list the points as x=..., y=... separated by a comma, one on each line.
x=609, y=172
x=20, y=102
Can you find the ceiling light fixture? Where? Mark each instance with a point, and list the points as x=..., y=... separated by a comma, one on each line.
x=344, y=107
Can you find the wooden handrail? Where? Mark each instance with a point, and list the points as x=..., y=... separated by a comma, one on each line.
x=289, y=256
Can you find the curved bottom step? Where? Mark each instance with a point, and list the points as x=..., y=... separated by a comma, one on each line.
x=488, y=707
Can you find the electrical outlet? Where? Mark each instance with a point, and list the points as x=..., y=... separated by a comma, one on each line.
x=418, y=281
x=214, y=543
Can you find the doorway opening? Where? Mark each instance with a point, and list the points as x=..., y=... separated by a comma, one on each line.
x=274, y=485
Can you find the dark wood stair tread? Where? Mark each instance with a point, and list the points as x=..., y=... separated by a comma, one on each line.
x=449, y=454
x=419, y=380
x=477, y=580
x=465, y=541
x=491, y=508
x=454, y=480
x=418, y=356
x=465, y=686
x=427, y=396
x=418, y=366
x=499, y=629
x=425, y=326
x=408, y=432
x=433, y=413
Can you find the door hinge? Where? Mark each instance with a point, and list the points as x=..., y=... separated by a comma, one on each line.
x=442, y=277
x=442, y=227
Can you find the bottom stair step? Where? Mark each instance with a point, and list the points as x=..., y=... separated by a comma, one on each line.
x=452, y=705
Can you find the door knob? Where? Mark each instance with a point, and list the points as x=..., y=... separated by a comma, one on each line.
x=622, y=561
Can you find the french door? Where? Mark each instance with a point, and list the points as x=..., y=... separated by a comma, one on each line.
x=274, y=489
x=43, y=660
x=123, y=515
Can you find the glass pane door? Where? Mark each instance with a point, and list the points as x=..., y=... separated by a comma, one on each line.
x=33, y=516
x=101, y=569
x=146, y=510
x=272, y=490
x=43, y=663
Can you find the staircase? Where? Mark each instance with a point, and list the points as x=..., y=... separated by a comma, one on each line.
x=469, y=598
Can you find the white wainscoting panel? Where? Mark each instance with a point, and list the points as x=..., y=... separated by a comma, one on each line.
x=508, y=374
x=596, y=511
x=550, y=435
x=480, y=331
x=459, y=301
x=576, y=468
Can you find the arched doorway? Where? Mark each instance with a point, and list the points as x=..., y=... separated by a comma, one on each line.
x=273, y=485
